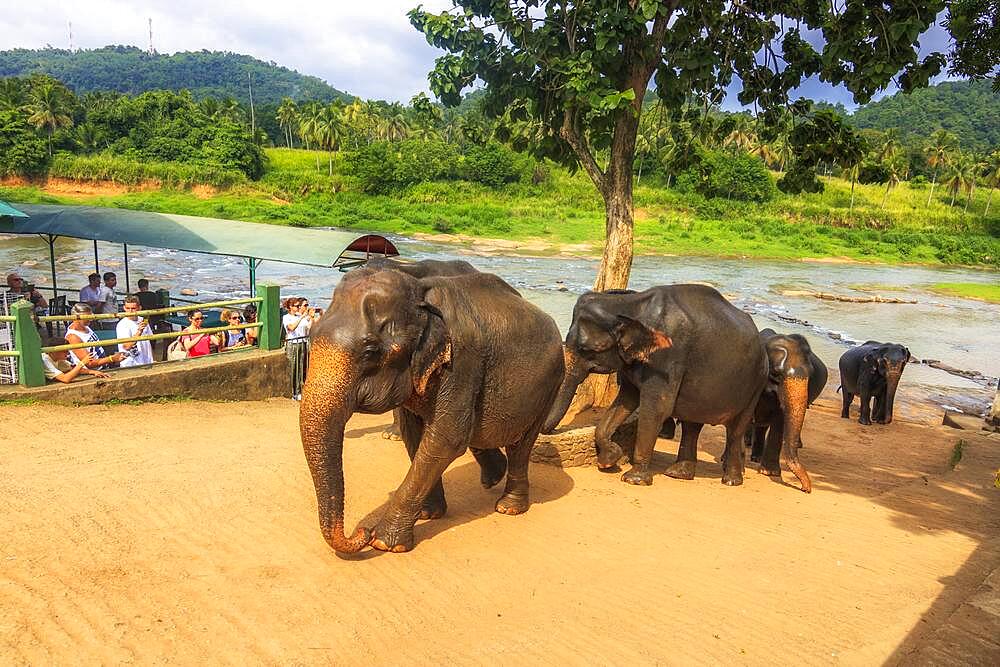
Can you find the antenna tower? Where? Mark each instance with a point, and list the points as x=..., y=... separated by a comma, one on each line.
x=151, y=36
x=71, y=36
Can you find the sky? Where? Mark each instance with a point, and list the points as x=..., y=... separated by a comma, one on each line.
x=363, y=47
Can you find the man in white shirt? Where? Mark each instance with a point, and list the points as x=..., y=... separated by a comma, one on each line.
x=93, y=293
x=139, y=353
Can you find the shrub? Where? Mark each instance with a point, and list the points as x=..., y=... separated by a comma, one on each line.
x=22, y=152
x=918, y=182
x=492, y=164
x=873, y=172
x=384, y=167
x=716, y=174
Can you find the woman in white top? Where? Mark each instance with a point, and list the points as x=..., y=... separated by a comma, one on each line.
x=79, y=332
x=296, y=324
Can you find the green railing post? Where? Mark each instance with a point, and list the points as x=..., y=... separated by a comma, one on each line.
x=164, y=298
x=29, y=344
x=269, y=316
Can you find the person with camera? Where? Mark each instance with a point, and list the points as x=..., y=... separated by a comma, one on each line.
x=297, y=323
x=138, y=353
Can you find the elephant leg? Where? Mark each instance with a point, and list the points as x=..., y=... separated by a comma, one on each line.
x=394, y=531
x=669, y=429
x=866, y=397
x=732, y=473
x=393, y=432
x=411, y=427
x=687, y=452
x=848, y=398
x=514, y=499
x=492, y=466
x=878, y=410
x=656, y=403
x=757, y=436
x=608, y=451
x=770, y=464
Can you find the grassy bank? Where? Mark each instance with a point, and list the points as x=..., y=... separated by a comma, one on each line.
x=567, y=209
x=978, y=291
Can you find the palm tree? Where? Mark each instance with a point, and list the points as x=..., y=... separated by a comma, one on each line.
x=991, y=175
x=425, y=133
x=938, y=151
x=962, y=176
x=395, y=127
x=12, y=94
x=329, y=131
x=49, y=107
x=742, y=137
x=851, y=151
x=287, y=116
x=888, y=145
x=894, y=175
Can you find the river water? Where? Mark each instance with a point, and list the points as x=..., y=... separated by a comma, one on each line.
x=958, y=332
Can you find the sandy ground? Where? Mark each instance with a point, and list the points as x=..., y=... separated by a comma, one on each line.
x=186, y=533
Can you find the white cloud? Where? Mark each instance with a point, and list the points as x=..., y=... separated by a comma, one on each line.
x=366, y=47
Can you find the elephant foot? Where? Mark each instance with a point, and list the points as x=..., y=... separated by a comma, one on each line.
x=681, y=470
x=755, y=458
x=639, y=475
x=865, y=422
x=512, y=503
x=392, y=538
x=492, y=467
x=669, y=429
x=391, y=433
x=732, y=478
x=844, y=415
x=433, y=509
x=608, y=456
x=769, y=470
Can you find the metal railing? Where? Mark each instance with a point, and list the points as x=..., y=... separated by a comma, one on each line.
x=28, y=348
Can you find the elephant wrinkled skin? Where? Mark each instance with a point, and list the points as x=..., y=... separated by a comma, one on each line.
x=449, y=351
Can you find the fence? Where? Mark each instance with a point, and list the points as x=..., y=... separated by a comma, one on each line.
x=28, y=347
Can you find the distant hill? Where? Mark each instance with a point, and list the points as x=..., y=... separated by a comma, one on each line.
x=970, y=110
x=127, y=69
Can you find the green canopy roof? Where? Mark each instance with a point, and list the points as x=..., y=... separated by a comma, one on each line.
x=314, y=247
x=8, y=210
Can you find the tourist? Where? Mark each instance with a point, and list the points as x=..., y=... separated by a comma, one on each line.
x=93, y=293
x=16, y=285
x=110, y=300
x=296, y=324
x=234, y=338
x=196, y=344
x=79, y=331
x=138, y=353
x=250, y=316
x=57, y=366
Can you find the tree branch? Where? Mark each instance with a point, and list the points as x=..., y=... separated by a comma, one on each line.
x=571, y=134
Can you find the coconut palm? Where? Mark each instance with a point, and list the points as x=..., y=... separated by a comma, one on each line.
x=287, y=117
x=329, y=131
x=742, y=137
x=894, y=174
x=49, y=107
x=938, y=151
x=394, y=127
x=991, y=176
x=888, y=145
x=962, y=175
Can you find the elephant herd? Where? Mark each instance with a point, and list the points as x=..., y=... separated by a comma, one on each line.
x=467, y=363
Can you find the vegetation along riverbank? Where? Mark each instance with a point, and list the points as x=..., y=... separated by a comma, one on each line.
x=706, y=186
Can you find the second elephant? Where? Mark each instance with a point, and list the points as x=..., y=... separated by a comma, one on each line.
x=872, y=371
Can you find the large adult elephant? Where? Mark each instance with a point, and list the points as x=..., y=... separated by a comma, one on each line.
x=450, y=352
x=872, y=371
x=796, y=378
x=680, y=351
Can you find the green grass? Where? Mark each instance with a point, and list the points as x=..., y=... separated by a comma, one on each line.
x=978, y=291
x=566, y=209
x=148, y=399
x=12, y=402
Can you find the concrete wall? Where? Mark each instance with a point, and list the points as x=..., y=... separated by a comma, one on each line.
x=239, y=375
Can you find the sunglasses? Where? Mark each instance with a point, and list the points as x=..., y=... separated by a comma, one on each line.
x=197, y=319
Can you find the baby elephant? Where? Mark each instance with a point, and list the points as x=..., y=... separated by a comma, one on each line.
x=795, y=379
x=872, y=370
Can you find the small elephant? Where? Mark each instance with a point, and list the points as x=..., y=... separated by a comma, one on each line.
x=796, y=379
x=872, y=371
x=449, y=351
x=679, y=351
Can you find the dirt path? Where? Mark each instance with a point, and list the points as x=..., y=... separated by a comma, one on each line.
x=186, y=533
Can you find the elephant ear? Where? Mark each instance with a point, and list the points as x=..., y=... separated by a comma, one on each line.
x=636, y=341
x=433, y=351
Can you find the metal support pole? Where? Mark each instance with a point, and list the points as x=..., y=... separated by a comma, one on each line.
x=128, y=288
x=253, y=264
x=52, y=264
x=30, y=371
x=269, y=315
x=97, y=264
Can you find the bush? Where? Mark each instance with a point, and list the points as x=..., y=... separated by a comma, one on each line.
x=918, y=182
x=873, y=172
x=383, y=167
x=22, y=152
x=716, y=174
x=492, y=164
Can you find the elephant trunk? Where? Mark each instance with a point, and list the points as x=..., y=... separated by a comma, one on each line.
x=325, y=409
x=891, y=384
x=793, y=394
x=577, y=370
